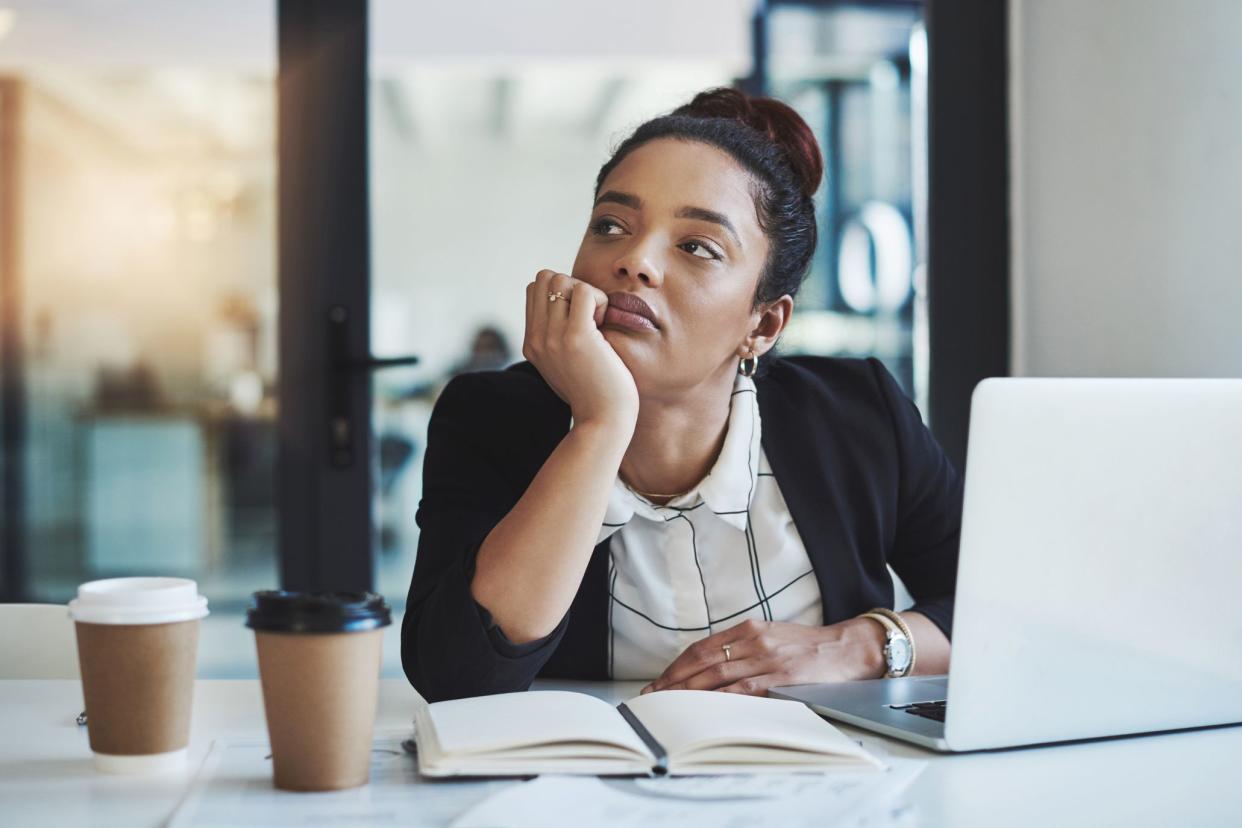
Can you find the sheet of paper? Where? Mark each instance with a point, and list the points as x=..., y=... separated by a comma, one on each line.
x=792, y=800
x=234, y=790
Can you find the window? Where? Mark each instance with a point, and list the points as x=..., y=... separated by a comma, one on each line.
x=140, y=168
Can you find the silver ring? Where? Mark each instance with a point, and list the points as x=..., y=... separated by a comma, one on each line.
x=552, y=297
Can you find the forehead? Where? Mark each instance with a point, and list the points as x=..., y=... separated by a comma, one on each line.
x=668, y=173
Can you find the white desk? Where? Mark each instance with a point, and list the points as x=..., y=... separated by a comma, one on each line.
x=1181, y=779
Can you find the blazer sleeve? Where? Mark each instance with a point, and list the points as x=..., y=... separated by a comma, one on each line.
x=929, y=509
x=450, y=648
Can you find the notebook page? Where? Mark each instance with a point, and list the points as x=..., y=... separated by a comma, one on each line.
x=685, y=721
x=511, y=720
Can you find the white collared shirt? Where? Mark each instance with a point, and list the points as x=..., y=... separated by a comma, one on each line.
x=723, y=552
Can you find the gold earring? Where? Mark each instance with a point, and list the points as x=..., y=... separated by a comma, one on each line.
x=744, y=369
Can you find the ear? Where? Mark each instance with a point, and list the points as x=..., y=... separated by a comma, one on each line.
x=770, y=322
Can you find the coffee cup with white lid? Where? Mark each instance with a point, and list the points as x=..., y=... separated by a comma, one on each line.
x=137, y=649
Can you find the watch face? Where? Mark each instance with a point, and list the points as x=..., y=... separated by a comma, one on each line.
x=897, y=653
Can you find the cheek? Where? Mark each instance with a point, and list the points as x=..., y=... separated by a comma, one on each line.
x=589, y=269
x=710, y=316
x=581, y=262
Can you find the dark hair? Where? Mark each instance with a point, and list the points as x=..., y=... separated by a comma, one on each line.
x=772, y=142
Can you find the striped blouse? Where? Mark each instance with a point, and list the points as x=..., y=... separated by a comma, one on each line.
x=723, y=552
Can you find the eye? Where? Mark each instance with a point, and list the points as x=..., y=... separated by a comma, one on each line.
x=700, y=250
x=607, y=227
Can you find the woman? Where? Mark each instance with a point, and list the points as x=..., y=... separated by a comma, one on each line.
x=652, y=495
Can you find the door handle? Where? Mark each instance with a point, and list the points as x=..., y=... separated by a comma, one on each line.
x=340, y=425
x=379, y=363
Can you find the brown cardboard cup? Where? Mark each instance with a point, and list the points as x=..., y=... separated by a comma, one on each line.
x=137, y=647
x=319, y=693
x=138, y=682
x=319, y=663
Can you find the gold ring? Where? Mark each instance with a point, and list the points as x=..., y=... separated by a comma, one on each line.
x=552, y=297
x=727, y=648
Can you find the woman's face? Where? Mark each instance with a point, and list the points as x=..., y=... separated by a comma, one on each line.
x=675, y=225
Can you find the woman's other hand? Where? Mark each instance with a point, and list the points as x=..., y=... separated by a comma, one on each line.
x=564, y=343
x=765, y=654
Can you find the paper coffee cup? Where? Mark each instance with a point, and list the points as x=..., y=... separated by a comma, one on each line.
x=319, y=663
x=137, y=646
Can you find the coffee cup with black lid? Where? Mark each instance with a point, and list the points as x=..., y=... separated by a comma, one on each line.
x=319, y=664
x=137, y=648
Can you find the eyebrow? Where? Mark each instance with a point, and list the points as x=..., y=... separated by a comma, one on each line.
x=701, y=213
x=704, y=214
x=624, y=199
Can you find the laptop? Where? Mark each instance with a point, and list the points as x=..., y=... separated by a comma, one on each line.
x=1099, y=588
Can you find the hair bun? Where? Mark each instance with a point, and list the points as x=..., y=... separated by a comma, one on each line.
x=773, y=118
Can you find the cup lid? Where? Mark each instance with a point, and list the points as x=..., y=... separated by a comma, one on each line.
x=138, y=601
x=279, y=610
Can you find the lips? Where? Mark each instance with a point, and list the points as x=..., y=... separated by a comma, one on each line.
x=628, y=311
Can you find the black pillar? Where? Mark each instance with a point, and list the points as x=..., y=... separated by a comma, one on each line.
x=324, y=479
x=968, y=208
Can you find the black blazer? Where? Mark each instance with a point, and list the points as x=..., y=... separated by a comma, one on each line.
x=865, y=482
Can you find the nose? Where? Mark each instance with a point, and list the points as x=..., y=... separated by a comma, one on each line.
x=637, y=263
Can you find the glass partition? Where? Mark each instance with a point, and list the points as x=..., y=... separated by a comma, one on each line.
x=139, y=159
x=858, y=75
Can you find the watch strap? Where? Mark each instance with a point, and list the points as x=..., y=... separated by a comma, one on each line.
x=891, y=631
x=881, y=620
x=899, y=622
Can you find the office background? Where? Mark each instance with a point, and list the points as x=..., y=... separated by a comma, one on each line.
x=1042, y=187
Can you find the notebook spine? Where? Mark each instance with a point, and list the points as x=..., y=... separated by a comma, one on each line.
x=661, y=756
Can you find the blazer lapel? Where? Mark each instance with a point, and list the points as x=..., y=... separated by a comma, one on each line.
x=800, y=450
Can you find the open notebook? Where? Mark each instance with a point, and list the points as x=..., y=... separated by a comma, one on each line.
x=674, y=731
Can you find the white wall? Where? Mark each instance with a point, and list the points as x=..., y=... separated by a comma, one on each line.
x=242, y=33
x=465, y=213
x=1126, y=177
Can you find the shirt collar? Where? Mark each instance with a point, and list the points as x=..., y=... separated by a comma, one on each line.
x=727, y=489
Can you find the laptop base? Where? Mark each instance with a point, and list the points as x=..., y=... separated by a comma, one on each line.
x=872, y=704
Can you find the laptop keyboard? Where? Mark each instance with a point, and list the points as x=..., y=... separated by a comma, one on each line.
x=933, y=710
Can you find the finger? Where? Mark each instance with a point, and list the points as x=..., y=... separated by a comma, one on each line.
x=558, y=309
x=560, y=283
x=707, y=651
x=696, y=658
x=599, y=303
x=723, y=674
x=549, y=312
x=584, y=308
x=722, y=670
x=531, y=289
x=702, y=654
x=538, y=318
x=756, y=685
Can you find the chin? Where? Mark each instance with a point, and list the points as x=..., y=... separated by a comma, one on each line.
x=621, y=341
x=635, y=356
x=630, y=342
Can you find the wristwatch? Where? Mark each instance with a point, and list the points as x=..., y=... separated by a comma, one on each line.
x=898, y=648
